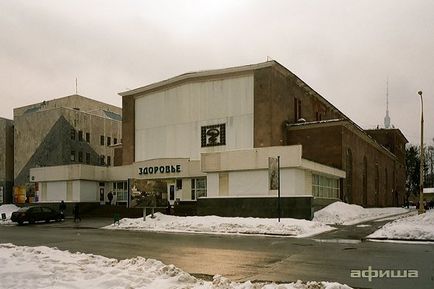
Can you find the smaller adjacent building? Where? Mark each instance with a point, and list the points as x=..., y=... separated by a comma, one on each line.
x=68, y=130
x=6, y=160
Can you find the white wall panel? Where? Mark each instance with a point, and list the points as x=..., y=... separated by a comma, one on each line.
x=89, y=191
x=248, y=183
x=56, y=191
x=168, y=122
x=212, y=184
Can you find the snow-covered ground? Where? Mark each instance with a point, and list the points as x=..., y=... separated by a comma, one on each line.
x=43, y=267
x=418, y=227
x=340, y=213
x=223, y=225
x=8, y=210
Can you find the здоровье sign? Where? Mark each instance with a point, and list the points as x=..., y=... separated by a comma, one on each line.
x=160, y=170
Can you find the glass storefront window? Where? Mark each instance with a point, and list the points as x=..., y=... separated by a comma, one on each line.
x=325, y=187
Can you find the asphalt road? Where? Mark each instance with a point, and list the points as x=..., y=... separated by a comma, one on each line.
x=242, y=258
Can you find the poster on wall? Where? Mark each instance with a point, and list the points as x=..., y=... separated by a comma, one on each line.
x=273, y=173
x=148, y=193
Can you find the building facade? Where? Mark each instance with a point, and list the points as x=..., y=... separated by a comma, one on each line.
x=68, y=130
x=6, y=160
x=205, y=139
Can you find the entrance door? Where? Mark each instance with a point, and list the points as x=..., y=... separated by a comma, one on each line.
x=171, y=189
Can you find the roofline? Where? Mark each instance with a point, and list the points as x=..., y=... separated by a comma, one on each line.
x=391, y=129
x=344, y=122
x=199, y=74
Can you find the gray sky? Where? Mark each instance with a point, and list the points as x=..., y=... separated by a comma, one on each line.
x=345, y=50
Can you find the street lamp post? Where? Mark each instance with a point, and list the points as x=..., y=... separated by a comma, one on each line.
x=421, y=205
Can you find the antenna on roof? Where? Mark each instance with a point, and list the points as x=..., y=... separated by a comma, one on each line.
x=269, y=58
x=387, y=117
x=76, y=89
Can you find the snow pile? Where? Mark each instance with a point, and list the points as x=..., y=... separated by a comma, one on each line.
x=223, y=225
x=340, y=213
x=418, y=227
x=43, y=267
x=8, y=210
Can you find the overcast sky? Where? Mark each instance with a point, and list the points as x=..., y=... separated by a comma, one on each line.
x=345, y=50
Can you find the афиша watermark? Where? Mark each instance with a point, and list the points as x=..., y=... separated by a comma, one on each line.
x=384, y=273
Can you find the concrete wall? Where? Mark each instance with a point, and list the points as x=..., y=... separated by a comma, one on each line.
x=168, y=122
x=255, y=183
x=262, y=207
x=69, y=191
x=43, y=138
x=6, y=159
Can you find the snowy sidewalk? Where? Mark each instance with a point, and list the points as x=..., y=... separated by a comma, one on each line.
x=411, y=228
x=43, y=267
x=223, y=225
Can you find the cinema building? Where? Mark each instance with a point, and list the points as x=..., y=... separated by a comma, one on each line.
x=202, y=142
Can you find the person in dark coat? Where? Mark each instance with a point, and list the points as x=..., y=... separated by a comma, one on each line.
x=77, y=213
x=110, y=197
x=62, y=208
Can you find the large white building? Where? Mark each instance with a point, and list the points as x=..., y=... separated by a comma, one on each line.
x=203, y=140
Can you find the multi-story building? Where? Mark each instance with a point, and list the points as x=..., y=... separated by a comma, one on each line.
x=205, y=138
x=6, y=160
x=69, y=130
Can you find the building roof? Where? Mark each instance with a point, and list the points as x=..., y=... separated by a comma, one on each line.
x=343, y=122
x=199, y=74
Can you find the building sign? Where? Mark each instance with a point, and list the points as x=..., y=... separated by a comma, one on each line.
x=160, y=170
x=213, y=135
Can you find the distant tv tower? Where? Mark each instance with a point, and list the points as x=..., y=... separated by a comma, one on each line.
x=387, y=117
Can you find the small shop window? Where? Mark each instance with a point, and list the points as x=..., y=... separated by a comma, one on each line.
x=198, y=188
x=73, y=156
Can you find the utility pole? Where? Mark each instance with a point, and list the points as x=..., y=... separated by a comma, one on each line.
x=421, y=205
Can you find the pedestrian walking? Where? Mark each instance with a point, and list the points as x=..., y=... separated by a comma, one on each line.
x=62, y=208
x=77, y=213
x=110, y=197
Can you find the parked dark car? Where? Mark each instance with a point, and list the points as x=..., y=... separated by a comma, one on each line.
x=35, y=214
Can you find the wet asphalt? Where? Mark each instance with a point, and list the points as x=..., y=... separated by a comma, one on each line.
x=331, y=256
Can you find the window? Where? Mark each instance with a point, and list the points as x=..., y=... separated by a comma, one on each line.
x=179, y=184
x=80, y=135
x=297, y=109
x=102, y=140
x=325, y=187
x=88, y=137
x=102, y=160
x=109, y=141
x=73, y=156
x=120, y=190
x=109, y=161
x=72, y=134
x=198, y=188
x=87, y=158
x=80, y=157
x=115, y=140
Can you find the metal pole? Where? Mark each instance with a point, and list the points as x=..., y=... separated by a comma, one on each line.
x=278, y=187
x=421, y=206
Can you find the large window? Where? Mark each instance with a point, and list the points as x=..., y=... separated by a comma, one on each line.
x=120, y=190
x=325, y=187
x=198, y=188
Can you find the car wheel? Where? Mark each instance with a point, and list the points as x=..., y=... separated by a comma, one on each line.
x=20, y=223
x=32, y=221
x=47, y=221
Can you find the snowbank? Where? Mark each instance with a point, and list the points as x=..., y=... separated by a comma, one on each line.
x=223, y=225
x=340, y=213
x=8, y=210
x=419, y=227
x=43, y=267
